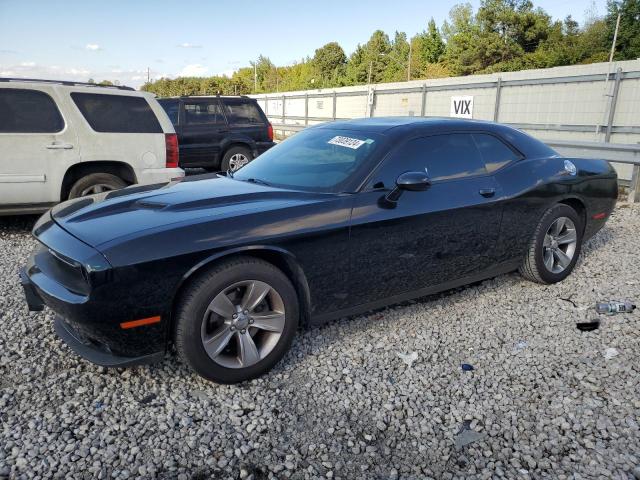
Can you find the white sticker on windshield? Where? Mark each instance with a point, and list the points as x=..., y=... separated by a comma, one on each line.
x=348, y=142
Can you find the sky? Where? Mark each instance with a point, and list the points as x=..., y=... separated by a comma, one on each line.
x=120, y=40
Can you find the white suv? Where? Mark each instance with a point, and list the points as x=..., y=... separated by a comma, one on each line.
x=62, y=140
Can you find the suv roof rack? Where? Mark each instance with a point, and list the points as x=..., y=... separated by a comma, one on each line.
x=208, y=96
x=65, y=82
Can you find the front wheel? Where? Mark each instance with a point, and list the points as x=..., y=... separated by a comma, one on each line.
x=236, y=321
x=555, y=246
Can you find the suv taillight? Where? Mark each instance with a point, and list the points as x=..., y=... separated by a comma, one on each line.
x=171, y=142
x=270, y=132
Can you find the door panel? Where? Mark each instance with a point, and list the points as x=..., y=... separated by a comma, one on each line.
x=203, y=129
x=36, y=143
x=447, y=232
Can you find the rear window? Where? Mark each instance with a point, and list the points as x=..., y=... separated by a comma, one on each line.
x=117, y=113
x=28, y=111
x=241, y=111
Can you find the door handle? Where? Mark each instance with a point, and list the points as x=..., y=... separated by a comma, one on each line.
x=59, y=146
x=487, y=192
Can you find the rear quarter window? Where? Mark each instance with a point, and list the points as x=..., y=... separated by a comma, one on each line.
x=495, y=153
x=242, y=112
x=28, y=111
x=117, y=113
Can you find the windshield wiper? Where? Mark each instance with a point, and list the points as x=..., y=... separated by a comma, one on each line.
x=229, y=172
x=258, y=181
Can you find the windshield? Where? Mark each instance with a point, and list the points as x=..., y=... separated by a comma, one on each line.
x=318, y=159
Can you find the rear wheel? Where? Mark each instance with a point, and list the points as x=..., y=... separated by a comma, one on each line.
x=236, y=321
x=96, y=183
x=235, y=158
x=555, y=246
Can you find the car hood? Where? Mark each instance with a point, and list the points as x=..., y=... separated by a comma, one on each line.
x=101, y=219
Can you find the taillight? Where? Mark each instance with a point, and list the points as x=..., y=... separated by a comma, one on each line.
x=270, y=132
x=171, y=142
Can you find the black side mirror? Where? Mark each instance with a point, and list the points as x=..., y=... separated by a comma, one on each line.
x=410, y=181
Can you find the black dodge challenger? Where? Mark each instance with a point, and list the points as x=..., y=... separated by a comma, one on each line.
x=339, y=219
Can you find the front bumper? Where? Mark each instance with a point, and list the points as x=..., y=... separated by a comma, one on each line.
x=98, y=354
x=88, y=348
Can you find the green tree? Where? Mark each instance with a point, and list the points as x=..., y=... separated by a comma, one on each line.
x=397, y=58
x=330, y=62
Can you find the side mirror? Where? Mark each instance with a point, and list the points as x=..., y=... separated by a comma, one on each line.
x=410, y=181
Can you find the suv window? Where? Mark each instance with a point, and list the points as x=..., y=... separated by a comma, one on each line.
x=117, y=113
x=495, y=152
x=28, y=111
x=443, y=157
x=241, y=111
x=203, y=112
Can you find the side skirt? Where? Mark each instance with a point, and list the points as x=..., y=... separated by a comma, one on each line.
x=347, y=312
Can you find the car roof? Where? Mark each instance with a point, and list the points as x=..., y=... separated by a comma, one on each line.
x=177, y=97
x=399, y=126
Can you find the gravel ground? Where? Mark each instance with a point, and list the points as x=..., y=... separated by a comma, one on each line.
x=376, y=396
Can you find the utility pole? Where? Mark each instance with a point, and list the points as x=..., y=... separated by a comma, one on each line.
x=370, y=67
x=255, y=77
x=615, y=38
x=148, y=75
x=409, y=62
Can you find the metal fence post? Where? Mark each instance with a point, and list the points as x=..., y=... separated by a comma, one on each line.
x=373, y=101
x=306, y=109
x=423, y=104
x=283, y=109
x=496, y=110
x=266, y=106
x=634, y=188
x=612, y=105
x=335, y=98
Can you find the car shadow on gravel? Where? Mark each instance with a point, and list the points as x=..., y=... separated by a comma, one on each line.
x=18, y=223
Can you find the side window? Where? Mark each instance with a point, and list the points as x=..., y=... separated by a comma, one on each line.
x=28, y=111
x=203, y=112
x=172, y=107
x=443, y=157
x=117, y=113
x=242, y=112
x=495, y=153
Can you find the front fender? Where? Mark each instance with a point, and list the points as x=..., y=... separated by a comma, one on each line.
x=281, y=258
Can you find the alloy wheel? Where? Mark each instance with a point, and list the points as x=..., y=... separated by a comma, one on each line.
x=559, y=245
x=237, y=161
x=96, y=188
x=242, y=324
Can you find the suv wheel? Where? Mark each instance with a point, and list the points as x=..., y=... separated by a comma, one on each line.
x=96, y=183
x=236, y=321
x=235, y=158
x=555, y=246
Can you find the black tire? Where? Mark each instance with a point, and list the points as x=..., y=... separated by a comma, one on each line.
x=242, y=151
x=190, y=315
x=533, y=267
x=96, y=181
